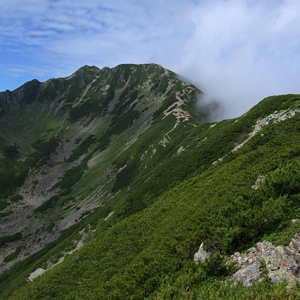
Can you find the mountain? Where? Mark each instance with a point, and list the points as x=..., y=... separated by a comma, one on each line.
x=120, y=163
x=71, y=145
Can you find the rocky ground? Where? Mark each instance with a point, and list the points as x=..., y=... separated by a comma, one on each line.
x=278, y=263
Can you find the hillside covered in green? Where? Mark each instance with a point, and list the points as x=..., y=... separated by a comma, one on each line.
x=180, y=182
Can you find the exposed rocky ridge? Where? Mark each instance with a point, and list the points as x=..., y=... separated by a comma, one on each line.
x=274, y=118
x=281, y=263
x=278, y=263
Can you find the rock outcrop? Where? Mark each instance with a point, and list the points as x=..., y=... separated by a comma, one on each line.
x=258, y=181
x=201, y=255
x=278, y=263
x=274, y=118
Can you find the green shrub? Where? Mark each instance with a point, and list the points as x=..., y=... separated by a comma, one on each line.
x=13, y=255
x=16, y=197
x=10, y=238
x=47, y=204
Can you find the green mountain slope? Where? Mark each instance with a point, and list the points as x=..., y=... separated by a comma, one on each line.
x=149, y=254
x=71, y=147
x=148, y=180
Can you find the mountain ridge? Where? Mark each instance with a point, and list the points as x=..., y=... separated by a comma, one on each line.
x=134, y=178
x=41, y=113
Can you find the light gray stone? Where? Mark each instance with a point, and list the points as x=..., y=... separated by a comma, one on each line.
x=201, y=254
x=252, y=250
x=248, y=275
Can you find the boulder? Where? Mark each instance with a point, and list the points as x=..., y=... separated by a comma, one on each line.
x=249, y=274
x=201, y=255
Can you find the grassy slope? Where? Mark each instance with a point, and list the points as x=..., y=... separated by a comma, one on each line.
x=49, y=127
x=149, y=253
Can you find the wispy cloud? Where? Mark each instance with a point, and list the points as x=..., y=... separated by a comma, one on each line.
x=236, y=51
x=65, y=34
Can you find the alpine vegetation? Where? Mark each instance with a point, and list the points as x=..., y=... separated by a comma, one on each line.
x=111, y=179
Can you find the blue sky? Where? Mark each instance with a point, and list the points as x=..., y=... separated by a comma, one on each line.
x=236, y=51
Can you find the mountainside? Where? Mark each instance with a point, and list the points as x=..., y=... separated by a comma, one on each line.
x=119, y=163
x=69, y=145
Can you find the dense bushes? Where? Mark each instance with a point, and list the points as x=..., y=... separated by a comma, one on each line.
x=47, y=204
x=10, y=238
x=145, y=249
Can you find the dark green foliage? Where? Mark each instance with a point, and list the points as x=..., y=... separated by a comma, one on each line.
x=167, y=102
x=13, y=170
x=81, y=149
x=125, y=176
x=13, y=255
x=3, y=204
x=163, y=84
x=72, y=176
x=90, y=107
x=47, y=204
x=102, y=142
x=11, y=152
x=5, y=214
x=16, y=197
x=10, y=238
x=8, y=166
x=121, y=123
x=164, y=202
x=214, y=265
x=43, y=150
x=29, y=91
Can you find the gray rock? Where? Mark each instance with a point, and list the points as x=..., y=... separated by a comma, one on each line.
x=38, y=272
x=201, y=254
x=282, y=263
x=248, y=275
x=295, y=245
x=252, y=250
x=265, y=250
x=258, y=181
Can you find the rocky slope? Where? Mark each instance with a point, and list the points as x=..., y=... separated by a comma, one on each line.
x=60, y=141
x=281, y=263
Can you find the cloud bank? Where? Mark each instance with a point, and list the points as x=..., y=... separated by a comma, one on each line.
x=237, y=52
x=243, y=51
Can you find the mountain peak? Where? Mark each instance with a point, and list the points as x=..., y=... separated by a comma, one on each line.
x=83, y=71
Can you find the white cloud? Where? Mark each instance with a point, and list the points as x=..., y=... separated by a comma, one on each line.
x=242, y=51
x=72, y=33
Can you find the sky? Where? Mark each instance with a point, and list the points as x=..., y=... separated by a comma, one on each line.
x=236, y=51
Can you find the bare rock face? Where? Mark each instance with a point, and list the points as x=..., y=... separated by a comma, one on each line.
x=38, y=272
x=201, y=255
x=281, y=263
x=248, y=275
